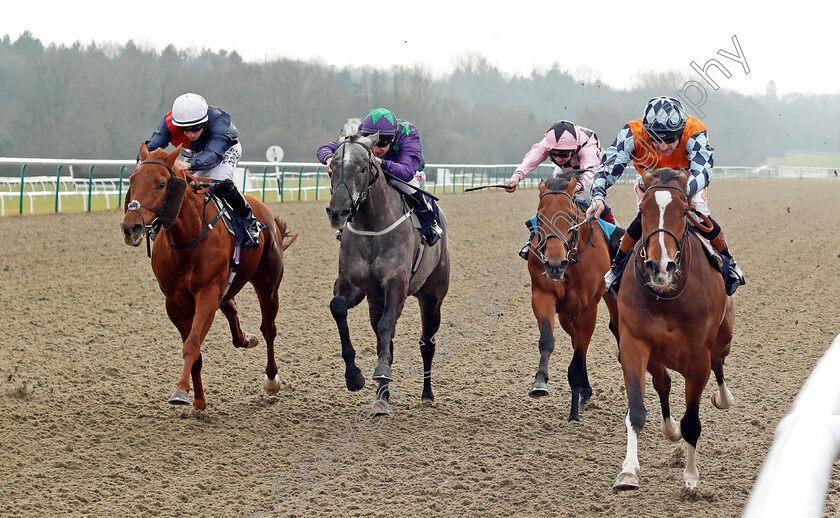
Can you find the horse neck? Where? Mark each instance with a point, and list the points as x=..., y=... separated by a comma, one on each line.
x=190, y=221
x=382, y=207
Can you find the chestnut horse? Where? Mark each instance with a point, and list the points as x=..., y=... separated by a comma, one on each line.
x=675, y=314
x=191, y=260
x=567, y=262
x=380, y=258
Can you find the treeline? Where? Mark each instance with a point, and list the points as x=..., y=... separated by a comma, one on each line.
x=102, y=101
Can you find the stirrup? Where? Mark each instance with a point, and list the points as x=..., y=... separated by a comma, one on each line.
x=253, y=230
x=433, y=234
x=610, y=277
x=735, y=278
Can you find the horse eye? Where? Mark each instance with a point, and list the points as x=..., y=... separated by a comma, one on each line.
x=161, y=186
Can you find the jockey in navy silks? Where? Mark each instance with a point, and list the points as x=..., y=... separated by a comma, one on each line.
x=210, y=148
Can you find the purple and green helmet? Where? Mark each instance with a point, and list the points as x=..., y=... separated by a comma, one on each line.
x=379, y=120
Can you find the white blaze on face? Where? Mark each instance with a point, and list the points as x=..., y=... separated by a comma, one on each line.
x=663, y=198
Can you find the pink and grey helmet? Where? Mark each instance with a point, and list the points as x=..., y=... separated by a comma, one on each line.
x=379, y=120
x=561, y=139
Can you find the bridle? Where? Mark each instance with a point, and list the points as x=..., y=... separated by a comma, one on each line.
x=135, y=205
x=573, y=255
x=371, y=168
x=170, y=204
x=641, y=249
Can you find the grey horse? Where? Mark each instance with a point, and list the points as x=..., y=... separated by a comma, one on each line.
x=378, y=259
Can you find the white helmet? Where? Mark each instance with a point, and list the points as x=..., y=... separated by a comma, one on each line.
x=189, y=110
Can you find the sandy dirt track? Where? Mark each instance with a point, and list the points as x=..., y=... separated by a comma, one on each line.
x=88, y=359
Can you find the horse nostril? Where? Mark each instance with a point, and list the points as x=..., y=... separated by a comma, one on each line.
x=344, y=214
x=651, y=268
x=671, y=268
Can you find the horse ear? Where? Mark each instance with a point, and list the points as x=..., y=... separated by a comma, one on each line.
x=684, y=176
x=173, y=155
x=370, y=140
x=543, y=188
x=573, y=181
x=144, y=151
x=341, y=134
x=647, y=179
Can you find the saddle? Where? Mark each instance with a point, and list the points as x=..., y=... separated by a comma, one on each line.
x=236, y=225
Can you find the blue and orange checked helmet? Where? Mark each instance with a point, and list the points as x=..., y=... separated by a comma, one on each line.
x=379, y=120
x=663, y=114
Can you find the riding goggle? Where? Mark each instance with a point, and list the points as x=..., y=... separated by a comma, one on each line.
x=384, y=140
x=665, y=137
x=193, y=129
x=561, y=153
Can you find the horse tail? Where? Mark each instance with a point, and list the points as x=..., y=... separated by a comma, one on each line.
x=287, y=239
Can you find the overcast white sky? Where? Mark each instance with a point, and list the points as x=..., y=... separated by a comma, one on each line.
x=795, y=45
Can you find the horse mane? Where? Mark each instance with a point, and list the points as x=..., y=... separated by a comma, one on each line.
x=559, y=181
x=665, y=174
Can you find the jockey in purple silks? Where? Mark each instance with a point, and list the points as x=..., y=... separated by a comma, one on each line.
x=399, y=153
x=569, y=147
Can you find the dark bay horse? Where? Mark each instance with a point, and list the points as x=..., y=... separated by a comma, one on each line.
x=567, y=262
x=379, y=259
x=191, y=260
x=674, y=315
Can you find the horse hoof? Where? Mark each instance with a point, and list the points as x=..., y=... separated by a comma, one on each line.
x=626, y=481
x=179, y=397
x=538, y=389
x=382, y=373
x=252, y=341
x=381, y=407
x=355, y=383
x=718, y=402
x=574, y=418
x=272, y=386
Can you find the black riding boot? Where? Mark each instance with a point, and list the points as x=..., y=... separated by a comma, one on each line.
x=431, y=231
x=228, y=192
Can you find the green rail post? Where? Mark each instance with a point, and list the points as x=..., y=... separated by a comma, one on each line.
x=90, y=188
x=119, y=186
x=57, y=186
x=317, y=182
x=434, y=189
x=300, y=181
x=265, y=172
x=22, y=177
x=472, y=180
x=282, y=182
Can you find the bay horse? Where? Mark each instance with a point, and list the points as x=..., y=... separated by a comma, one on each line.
x=191, y=259
x=675, y=314
x=567, y=262
x=380, y=259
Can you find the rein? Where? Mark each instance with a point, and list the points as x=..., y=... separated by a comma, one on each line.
x=681, y=242
x=356, y=204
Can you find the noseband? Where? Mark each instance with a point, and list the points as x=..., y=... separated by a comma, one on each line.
x=372, y=167
x=572, y=254
x=681, y=242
